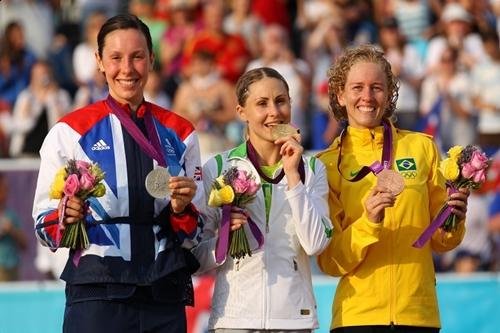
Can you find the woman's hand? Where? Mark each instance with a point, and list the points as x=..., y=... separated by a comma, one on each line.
x=291, y=153
x=378, y=200
x=458, y=201
x=73, y=211
x=182, y=191
x=238, y=218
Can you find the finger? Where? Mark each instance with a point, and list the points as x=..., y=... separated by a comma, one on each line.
x=378, y=189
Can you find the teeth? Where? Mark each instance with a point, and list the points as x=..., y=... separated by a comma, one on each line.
x=366, y=109
x=127, y=82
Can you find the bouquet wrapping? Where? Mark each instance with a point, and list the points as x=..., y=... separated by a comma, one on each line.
x=234, y=188
x=81, y=179
x=463, y=168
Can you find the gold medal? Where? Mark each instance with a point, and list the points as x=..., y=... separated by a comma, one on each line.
x=391, y=180
x=157, y=183
x=281, y=130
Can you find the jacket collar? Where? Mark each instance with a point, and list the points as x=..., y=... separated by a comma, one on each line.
x=125, y=107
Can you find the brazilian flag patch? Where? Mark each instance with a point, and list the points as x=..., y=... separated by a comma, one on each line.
x=406, y=164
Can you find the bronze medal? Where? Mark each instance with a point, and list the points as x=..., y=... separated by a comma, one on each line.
x=391, y=180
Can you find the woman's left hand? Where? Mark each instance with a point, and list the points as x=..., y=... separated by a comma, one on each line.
x=291, y=153
x=182, y=191
x=459, y=202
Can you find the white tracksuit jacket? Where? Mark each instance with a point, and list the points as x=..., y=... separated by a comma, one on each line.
x=272, y=289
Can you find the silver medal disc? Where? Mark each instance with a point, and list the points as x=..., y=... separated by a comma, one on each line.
x=157, y=183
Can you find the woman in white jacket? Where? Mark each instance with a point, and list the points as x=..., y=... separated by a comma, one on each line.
x=271, y=290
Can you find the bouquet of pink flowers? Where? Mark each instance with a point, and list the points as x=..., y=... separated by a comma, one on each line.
x=81, y=179
x=234, y=188
x=464, y=168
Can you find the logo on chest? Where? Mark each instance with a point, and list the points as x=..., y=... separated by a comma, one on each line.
x=407, y=167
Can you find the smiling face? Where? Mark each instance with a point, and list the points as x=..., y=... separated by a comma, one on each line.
x=365, y=95
x=126, y=63
x=266, y=105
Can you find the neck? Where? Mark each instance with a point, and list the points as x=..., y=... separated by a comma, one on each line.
x=267, y=152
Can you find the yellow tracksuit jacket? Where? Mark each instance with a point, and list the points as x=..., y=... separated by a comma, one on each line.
x=384, y=280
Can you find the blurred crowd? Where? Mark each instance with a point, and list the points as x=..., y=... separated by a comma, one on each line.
x=446, y=54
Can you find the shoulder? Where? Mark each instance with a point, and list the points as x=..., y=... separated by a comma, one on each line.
x=330, y=154
x=416, y=141
x=167, y=118
x=83, y=119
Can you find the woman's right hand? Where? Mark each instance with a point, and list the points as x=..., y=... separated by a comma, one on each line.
x=378, y=199
x=73, y=211
x=238, y=218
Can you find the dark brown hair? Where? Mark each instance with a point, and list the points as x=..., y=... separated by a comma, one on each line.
x=121, y=22
x=337, y=77
x=253, y=76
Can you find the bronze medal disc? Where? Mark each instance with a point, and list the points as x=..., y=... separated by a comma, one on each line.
x=281, y=130
x=391, y=180
x=157, y=183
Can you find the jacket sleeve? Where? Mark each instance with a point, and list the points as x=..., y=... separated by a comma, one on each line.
x=54, y=155
x=440, y=241
x=188, y=226
x=350, y=244
x=205, y=250
x=350, y=238
x=310, y=211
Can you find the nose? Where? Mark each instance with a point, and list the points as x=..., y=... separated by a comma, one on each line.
x=126, y=65
x=367, y=94
x=274, y=109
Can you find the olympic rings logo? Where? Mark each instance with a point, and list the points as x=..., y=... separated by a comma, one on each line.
x=409, y=174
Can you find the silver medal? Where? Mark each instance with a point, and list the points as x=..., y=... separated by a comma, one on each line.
x=157, y=183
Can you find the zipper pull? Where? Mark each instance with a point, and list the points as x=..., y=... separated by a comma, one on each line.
x=237, y=265
x=267, y=227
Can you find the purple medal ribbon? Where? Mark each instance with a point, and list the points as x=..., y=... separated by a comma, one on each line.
x=153, y=148
x=376, y=166
x=223, y=241
x=435, y=224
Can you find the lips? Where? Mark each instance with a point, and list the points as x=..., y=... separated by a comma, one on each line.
x=273, y=123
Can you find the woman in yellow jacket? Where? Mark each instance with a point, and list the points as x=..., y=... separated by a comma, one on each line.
x=385, y=189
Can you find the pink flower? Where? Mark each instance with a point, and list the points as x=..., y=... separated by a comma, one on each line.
x=468, y=170
x=479, y=176
x=242, y=174
x=240, y=185
x=86, y=181
x=253, y=187
x=479, y=160
x=72, y=185
x=82, y=165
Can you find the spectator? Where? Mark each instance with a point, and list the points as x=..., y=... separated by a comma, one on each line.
x=145, y=10
x=92, y=91
x=474, y=253
x=180, y=30
x=447, y=92
x=153, y=91
x=37, y=109
x=486, y=96
x=457, y=34
x=84, y=63
x=207, y=100
x=12, y=238
x=231, y=52
x=16, y=61
x=408, y=67
x=241, y=21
